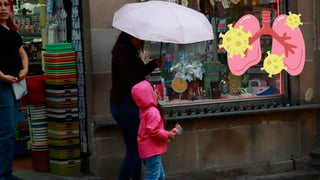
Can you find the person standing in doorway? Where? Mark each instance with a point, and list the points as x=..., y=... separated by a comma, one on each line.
x=128, y=69
x=13, y=68
x=152, y=136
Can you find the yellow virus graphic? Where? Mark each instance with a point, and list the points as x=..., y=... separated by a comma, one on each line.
x=273, y=64
x=235, y=41
x=293, y=20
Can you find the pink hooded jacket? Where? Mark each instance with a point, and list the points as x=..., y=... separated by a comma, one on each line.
x=152, y=137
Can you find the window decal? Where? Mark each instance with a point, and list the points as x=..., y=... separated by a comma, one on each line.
x=242, y=43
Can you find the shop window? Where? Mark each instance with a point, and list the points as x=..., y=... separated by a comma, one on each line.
x=199, y=73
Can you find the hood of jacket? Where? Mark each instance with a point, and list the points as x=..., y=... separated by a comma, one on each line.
x=143, y=95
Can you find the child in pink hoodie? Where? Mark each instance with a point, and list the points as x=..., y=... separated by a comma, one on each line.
x=152, y=136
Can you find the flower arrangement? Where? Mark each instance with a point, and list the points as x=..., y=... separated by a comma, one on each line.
x=190, y=70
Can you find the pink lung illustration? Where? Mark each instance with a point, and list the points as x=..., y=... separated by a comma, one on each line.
x=237, y=64
x=289, y=43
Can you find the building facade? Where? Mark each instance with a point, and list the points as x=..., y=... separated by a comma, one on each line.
x=268, y=137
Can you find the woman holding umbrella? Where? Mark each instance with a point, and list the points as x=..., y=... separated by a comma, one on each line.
x=167, y=22
x=127, y=70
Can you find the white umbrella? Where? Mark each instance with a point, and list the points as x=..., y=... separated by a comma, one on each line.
x=163, y=21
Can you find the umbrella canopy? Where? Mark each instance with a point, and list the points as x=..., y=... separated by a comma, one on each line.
x=163, y=21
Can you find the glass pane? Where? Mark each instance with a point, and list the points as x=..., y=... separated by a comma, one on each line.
x=200, y=71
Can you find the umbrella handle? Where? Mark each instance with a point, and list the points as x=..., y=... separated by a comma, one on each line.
x=160, y=49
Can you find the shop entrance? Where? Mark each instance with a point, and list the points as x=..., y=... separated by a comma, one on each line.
x=48, y=134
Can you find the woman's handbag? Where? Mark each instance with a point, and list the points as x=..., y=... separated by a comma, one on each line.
x=19, y=89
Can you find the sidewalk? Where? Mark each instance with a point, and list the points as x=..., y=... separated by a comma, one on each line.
x=34, y=175
x=294, y=175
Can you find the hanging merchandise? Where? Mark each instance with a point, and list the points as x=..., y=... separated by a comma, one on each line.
x=77, y=44
x=50, y=5
x=56, y=14
x=52, y=34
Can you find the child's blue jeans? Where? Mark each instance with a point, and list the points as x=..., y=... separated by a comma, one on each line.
x=154, y=168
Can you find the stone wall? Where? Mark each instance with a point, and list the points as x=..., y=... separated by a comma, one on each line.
x=225, y=146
